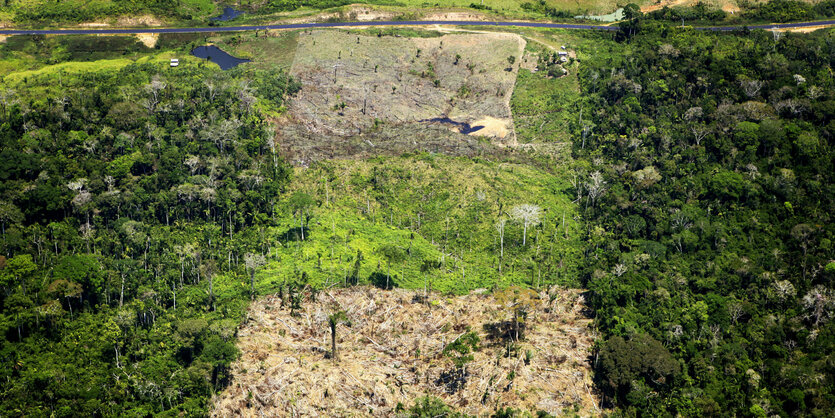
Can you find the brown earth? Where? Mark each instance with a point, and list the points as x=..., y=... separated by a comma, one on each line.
x=149, y=39
x=143, y=20
x=392, y=353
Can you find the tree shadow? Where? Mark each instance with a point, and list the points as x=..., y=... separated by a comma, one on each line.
x=294, y=234
x=503, y=331
x=382, y=280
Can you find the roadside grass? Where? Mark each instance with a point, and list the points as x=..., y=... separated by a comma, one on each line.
x=594, y=6
x=397, y=32
x=114, y=12
x=56, y=71
x=30, y=52
x=424, y=221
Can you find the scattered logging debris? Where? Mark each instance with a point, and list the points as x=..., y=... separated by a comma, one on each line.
x=477, y=353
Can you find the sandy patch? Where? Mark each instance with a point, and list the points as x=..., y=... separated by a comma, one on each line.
x=530, y=61
x=149, y=39
x=454, y=16
x=144, y=20
x=393, y=353
x=3, y=38
x=359, y=14
x=806, y=29
x=365, y=14
x=497, y=128
x=93, y=25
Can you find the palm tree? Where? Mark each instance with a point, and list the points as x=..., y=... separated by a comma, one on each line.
x=334, y=320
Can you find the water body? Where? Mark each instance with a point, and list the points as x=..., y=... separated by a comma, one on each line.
x=217, y=56
x=228, y=14
x=462, y=127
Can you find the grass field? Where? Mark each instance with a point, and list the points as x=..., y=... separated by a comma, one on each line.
x=55, y=71
x=275, y=49
x=19, y=54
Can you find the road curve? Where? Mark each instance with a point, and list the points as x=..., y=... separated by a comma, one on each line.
x=376, y=23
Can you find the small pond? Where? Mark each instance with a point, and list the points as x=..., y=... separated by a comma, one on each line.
x=217, y=56
x=463, y=127
x=228, y=14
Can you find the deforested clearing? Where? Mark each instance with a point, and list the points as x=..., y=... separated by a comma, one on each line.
x=362, y=84
x=396, y=347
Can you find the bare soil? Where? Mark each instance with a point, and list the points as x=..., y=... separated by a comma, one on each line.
x=806, y=29
x=392, y=353
x=143, y=20
x=149, y=39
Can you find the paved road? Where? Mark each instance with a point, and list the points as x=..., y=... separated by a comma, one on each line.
x=375, y=23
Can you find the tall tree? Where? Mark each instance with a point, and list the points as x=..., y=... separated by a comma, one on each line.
x=334, y=319
x=528, y=215
x=253, y=262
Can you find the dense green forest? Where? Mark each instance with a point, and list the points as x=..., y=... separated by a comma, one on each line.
x=124, y=194
x=709, y=204
x=756, y=13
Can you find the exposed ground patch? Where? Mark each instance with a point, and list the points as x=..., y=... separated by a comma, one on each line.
x=362, y=91
x=148, y=39
x=393, y=353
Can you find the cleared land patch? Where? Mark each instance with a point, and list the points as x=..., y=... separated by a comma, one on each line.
x=393, y=352
x=362, y=91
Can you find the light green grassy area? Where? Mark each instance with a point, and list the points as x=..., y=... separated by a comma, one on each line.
x=72, y=68
x=277, y=49
x=542, y=107
x=200, y=8
x=428, y=220
x=32, y=55
x=113, y=12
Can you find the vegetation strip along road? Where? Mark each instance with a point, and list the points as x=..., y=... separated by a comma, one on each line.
x=382, y=23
